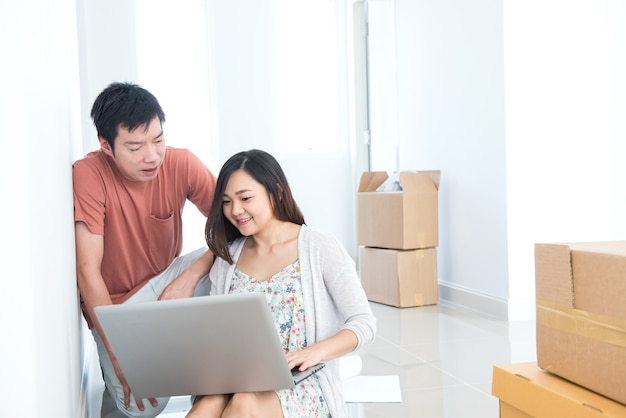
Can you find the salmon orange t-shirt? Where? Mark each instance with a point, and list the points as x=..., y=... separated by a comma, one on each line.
x=141, y=221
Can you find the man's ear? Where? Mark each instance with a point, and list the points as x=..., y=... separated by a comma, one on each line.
x=106, y=147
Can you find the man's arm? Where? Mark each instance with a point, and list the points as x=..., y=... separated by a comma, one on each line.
x=89, y=252
x=185, y=284
x=93, y=290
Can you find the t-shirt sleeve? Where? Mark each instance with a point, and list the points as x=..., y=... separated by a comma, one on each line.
x=89, y=200
x=201, y=184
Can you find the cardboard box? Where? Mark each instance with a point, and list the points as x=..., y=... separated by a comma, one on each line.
x=581, y=314
x=402, y=220
x=525, y=390
x=401, y=278
x=507, y=411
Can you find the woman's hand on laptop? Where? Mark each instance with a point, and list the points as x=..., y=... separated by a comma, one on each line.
x=303, y=359
x=342, y=343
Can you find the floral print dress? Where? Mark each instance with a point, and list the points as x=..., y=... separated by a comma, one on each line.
x=284, y=297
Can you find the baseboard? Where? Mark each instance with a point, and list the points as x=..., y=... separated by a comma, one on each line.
x=476, y=301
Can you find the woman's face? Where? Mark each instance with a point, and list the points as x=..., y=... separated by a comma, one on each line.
x=246, y=204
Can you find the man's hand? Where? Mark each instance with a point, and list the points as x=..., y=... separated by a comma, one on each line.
x=122, y=378
x=184, y=285
x=180, y=287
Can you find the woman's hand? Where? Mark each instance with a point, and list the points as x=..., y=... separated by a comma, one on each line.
x=343, y=342
x=304, y=359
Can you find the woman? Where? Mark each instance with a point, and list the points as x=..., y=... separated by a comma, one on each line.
x=261, y=244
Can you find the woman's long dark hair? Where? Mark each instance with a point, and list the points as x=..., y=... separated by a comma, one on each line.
x=263, y=168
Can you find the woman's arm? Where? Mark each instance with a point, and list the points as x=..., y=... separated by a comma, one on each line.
x=342, y=312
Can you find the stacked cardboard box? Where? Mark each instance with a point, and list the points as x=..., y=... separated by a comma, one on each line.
x=581, y=314
x=526, y=391
x=398, y=233
x=581, y=336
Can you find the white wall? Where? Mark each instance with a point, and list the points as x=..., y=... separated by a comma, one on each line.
x=451, y=117
x=565, y=105
x=521, y=105
x=39, y=126
x=243, y=53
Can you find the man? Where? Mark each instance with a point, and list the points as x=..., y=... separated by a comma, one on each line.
x=128, y=201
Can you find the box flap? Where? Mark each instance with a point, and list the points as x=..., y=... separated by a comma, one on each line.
x=604, y=247
x=419, y=181
x=370, y=180
x=410, y=180
x=435, y=176
x=599, y=272
x=543, y=395
x=583, y=275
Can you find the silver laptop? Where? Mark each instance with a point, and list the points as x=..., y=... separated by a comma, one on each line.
x=198, y=346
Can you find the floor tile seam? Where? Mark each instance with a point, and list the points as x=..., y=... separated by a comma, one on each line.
x=469, y=311
x=401, y=348
x=392, y=344
x=419, y=360
x=444, y=343
x=478, y=388
x=436, y=341
x=454, y=376
x=459, y=340
x=427, y=388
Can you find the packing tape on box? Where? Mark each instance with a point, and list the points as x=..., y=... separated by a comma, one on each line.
x=421, y=239
x=419, y=254
x=582, y=323
x=419, y=299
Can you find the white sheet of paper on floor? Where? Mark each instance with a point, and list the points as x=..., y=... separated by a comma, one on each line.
x=372, y=389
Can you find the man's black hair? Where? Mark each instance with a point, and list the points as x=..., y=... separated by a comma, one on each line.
x=124, y=104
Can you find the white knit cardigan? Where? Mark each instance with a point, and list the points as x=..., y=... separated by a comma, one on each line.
x=333, y=300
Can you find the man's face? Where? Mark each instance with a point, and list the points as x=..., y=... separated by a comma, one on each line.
x=138, y=154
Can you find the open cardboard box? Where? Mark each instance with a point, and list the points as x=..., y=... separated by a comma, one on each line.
x=581, y=314
x=402, y=220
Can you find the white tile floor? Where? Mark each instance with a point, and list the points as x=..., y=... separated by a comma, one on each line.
x=443, y=355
